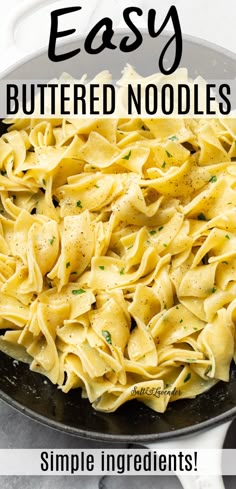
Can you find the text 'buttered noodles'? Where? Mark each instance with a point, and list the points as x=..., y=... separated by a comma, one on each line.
x=132, y=96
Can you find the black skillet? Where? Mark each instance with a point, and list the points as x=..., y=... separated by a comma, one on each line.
x=28, y=392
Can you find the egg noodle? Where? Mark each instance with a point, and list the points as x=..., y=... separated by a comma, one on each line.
x=118, y=255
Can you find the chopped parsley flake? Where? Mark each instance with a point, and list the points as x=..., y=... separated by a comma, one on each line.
x=127, y=157
x=68, y=264
x=201, y=217
x=213, y=290
x=78, y=204
x=107, y=336
x=213, y=179
x=165, y=245
x=160, y=228
x=227, y=236
x=78, y=291
x=169, y=154
x=44, y=182
x=129, y=248
x=152, y=232
x=101, y=267
x=97, y=186
x=51, y=241
x=188, y=377
x=173, y=138
x=163, y=165
x=3, y=173
x=122, y=271
x=181, y=320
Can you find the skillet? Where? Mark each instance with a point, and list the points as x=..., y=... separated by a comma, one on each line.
x=28, y=392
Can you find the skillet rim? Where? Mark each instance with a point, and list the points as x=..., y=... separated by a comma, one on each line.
x=119, y=31
x=116, y=438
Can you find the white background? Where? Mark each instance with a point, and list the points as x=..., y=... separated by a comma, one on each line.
x=25, y=24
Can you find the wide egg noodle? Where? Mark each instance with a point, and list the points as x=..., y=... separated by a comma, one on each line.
x=117, y=253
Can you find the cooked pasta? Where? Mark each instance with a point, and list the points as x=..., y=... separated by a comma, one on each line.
x=118, y=255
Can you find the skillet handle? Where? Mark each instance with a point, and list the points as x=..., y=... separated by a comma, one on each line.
x=201, y=482
x=212, y=438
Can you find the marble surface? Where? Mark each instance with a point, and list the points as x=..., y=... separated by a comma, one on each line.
x=19, y=431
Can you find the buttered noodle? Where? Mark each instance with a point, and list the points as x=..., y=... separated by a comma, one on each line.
x=118, y=255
